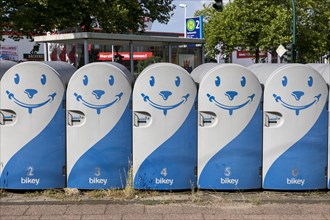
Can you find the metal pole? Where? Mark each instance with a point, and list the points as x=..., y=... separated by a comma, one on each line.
x=131, y=56
x=46, y=58
x=293, y=31
x=202, y=53
x=185, y=23
x=113, y=54
x=185, y=16
x=86, y=55
x=169, y=53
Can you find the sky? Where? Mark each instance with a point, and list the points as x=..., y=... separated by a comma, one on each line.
x=176, y=23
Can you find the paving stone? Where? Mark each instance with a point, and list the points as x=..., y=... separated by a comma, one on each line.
x=221, y=217
x=86, y=209
x=46, y=209
x=116, y=209
x=60, y=217
x=164, y=209
x=102, y=217
x=21, y=217
x=304, y=217
x=261, y=217
x=7, y=210
x=143, y=217
x=184, y=216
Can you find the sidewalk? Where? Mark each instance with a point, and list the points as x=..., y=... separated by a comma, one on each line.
x=164, y=205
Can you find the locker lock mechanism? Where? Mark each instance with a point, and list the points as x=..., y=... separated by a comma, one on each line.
x=207, y=119
x=142, y=119
x=7, y=117
x=75, y=118
x=273, y=119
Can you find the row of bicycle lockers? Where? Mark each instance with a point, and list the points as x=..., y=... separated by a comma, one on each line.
x=222, y=127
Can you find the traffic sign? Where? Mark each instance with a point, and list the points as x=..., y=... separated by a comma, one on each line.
x=281, y=50
x=194, y=27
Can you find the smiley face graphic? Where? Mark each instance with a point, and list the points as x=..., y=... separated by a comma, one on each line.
x=230, y=94
x=297, y=101
x=30, y=96
x=95, y=96
x=165, y=96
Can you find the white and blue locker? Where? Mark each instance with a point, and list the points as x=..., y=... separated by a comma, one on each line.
x=164, y=129
x=199, y=72
x=99, y=126
x=32, y=142
x=295, y=129
x=263, y=70
x=4, y=66
x=324, y=70
x=229, y=129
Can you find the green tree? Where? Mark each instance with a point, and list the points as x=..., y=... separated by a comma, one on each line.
x=313, y=29
x=142, y=64
x=257, y=25
x=35, y=17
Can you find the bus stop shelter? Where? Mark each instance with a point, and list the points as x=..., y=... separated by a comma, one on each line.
x=130, y=41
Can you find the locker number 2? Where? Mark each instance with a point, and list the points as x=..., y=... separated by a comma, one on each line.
x=30, y=171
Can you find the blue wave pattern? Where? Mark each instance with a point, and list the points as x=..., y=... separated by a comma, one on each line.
x=177, y=155
x=39, y=164
x=303, y=165
x=236, y=166
x=106, y=164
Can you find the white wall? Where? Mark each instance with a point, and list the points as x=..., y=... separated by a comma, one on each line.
x=249, y=60
x=23, y=46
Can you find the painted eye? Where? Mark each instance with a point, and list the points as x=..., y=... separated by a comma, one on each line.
x=85, y=80
x=16, y=78
x=152, y=81
x=284, y=81
x=43, y=79
x=243, y=81
x=111, y=80
x=177, y=81
x=310, y=81
x=217, y=81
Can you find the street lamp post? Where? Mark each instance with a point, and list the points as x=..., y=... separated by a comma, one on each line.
x=185, y=16
x=293, y=31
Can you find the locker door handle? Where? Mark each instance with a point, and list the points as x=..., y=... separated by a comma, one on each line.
x=142, y=119
x=7, y=117
x=273, y=119
x=207, y=119
x=75, y=118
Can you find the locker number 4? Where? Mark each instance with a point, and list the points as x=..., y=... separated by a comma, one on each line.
x=164, y=172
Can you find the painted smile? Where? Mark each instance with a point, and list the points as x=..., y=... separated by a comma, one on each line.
x=227, y=107
x=296, y=108
x=30, y=107
x=163, y=107
x=98, y=107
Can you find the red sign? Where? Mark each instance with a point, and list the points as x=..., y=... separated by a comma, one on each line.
x=136, y=55
x=246, y=54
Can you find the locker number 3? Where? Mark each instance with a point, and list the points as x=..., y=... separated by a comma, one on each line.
x=97, y=171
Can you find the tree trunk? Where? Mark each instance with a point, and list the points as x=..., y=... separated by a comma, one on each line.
x=257, y=55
